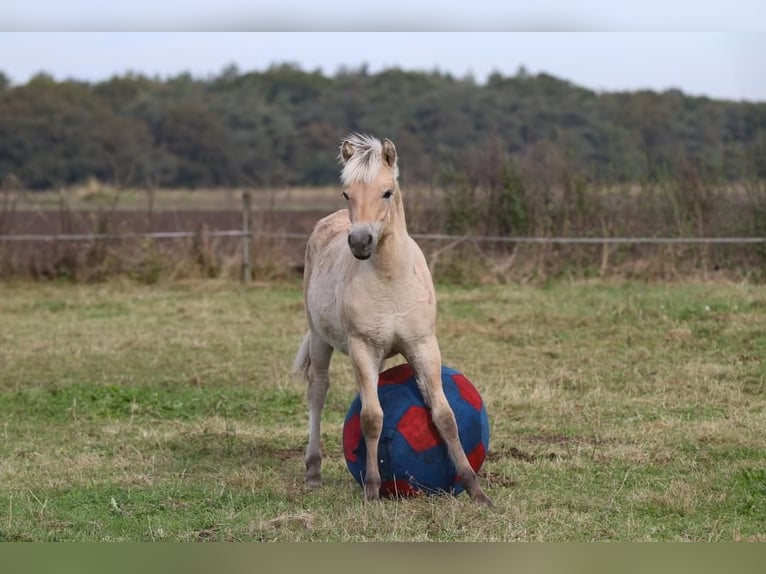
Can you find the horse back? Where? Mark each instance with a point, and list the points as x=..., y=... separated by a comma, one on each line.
x=326, y=230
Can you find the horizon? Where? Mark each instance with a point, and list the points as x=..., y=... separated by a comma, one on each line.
x=721, y=66
x=364, y=68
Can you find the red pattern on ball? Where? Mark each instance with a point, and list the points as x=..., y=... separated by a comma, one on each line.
x=396, y=375
x=476, y=457
x=352, y=433
x=467, y=391
x=398, y=487
x=418, y=429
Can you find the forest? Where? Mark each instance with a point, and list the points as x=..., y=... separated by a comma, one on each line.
x=282, y=126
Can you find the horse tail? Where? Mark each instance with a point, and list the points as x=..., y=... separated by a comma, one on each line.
x=302, y=360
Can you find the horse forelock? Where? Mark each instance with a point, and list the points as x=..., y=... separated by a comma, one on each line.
x=367, y=161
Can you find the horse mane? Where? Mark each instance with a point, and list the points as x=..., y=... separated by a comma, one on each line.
x=366, y=162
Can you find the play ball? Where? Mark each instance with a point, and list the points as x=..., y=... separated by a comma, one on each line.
x=412, y=457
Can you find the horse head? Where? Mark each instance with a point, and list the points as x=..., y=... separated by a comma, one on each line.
x=369, y=179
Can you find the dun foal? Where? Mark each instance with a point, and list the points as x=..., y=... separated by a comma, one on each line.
x=368, y=293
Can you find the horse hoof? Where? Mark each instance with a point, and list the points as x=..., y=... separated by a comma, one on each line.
x=372, y=494
x=482, y=498
x=313, y=481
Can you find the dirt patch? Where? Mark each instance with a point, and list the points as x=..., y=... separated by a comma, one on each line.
x=518, y=454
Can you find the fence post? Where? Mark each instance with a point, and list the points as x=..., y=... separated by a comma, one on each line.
x=247, y=236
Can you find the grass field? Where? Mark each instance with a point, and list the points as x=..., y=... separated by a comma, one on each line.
x=96, y=196
x=623, y=411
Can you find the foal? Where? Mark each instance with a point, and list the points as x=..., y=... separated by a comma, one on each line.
x=368, y=293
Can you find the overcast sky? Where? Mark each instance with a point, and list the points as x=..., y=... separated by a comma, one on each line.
x=385, y=15
x=653, y=44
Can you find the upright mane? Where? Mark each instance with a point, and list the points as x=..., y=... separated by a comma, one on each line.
x=365, y=163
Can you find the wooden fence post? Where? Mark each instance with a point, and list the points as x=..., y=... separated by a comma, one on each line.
x=247, y=236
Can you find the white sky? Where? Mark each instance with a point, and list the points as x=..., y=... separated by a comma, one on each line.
x=385, y=15
x=703, y=48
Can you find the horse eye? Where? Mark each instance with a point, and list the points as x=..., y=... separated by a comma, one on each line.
x=345, y=195
x=388, y=194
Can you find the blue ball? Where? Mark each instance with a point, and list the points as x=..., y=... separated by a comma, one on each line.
x=413, y=458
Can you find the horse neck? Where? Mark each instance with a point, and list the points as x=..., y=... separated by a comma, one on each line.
x=394, y=253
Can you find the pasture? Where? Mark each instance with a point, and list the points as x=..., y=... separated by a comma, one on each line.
x=619, y=411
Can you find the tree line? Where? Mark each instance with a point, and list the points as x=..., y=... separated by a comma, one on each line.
x=282, y=126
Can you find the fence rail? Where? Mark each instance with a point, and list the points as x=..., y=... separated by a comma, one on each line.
x=121, y=236
x=593, y=240
x=246, y=233
x=424, y=236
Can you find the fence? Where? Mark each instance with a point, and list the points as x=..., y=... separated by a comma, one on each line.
x=246, y=233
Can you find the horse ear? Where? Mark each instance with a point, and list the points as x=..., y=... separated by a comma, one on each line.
x=389, y=152
x=346, y=151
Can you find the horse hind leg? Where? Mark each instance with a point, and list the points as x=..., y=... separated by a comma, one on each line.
x=318, y=383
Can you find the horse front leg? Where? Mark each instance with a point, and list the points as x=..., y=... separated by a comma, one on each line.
x=366, y=362
x=425, y=358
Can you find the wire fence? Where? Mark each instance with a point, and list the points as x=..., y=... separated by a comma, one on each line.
x=247, y=233
x=235, y=233
x=120, y=236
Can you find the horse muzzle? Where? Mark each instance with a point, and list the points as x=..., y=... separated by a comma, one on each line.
x=362, y=240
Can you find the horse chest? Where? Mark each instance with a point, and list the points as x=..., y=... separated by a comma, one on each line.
x=350, y=299
x=386, y=317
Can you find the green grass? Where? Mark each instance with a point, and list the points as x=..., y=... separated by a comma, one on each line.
x=623, y=411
